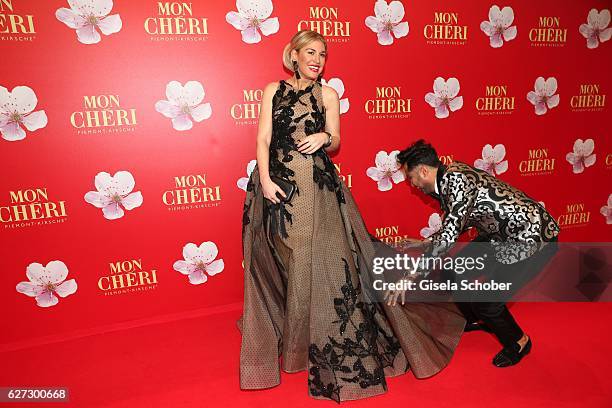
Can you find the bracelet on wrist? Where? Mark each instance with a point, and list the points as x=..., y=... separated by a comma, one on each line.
x=329, y=139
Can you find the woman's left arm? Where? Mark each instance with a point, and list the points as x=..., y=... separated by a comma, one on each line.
x=314, y=142
x=332, y=116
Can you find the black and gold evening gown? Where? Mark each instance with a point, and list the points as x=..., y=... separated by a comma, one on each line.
x=307, y=301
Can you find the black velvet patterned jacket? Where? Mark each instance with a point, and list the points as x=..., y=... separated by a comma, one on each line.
x=516, y=225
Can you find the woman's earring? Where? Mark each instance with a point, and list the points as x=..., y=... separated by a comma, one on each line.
x=296, y=70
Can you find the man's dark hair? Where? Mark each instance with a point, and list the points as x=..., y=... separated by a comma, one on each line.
x=417, y=153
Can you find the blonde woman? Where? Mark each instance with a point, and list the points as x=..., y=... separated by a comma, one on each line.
x=306, y=251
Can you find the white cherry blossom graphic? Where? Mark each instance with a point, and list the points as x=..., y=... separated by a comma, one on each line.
x=243, y=181
x=544, y=97
x=444, y=98
x=114, y=194
x=45, y=282
x=434, y=225
x=582, y=156
x=338, y=86
x=89, y=16
x=252, y=17
x=387, y=170
x=596, y=29
x=16, y=109
x=184, y=104
x=493, y=160
x=499, y=27
x=199, y=262
x=387, y=22
x=606, y=210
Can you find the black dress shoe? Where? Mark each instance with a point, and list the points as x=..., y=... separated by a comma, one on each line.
x=475, y=326
x=510, y=356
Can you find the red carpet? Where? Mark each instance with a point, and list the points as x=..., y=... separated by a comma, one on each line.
x=193, y=362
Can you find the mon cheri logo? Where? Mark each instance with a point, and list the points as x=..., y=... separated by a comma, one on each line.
x=246, y=112
x=32, y=207
x=548, y=33
x=103, y=114
x=390, y=234
x=446, y=159
x=495, y=101
x=16, y=24
x=177, y=21
x=538, y=162
x=388, y=102
x=576, y=215
x=446, y=29
x=328, y=21
x=127, y=276
x=190, y=192
x=590, y=98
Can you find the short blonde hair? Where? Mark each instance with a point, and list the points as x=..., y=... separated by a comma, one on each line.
x=299, y=40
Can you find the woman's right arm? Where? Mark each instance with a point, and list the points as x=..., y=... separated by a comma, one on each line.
x=264, y=136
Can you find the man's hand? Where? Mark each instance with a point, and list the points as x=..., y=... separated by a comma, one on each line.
x=413, y=243
x=391, y=296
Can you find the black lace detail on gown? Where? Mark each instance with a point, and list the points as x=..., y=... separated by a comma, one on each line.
x=331, y=358
x=283, y=146
x=324, y=172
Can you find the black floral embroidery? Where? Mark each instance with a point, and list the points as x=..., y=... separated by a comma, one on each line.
x=321, y=176
x=282, y=145
x=245, y=214
x=331, y=366
x=317, y=124
x=282, y=131
x=278, y=215
x=324, y=173
x=325, y=176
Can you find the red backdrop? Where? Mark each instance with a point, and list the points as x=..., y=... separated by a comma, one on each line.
x=130, y=69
